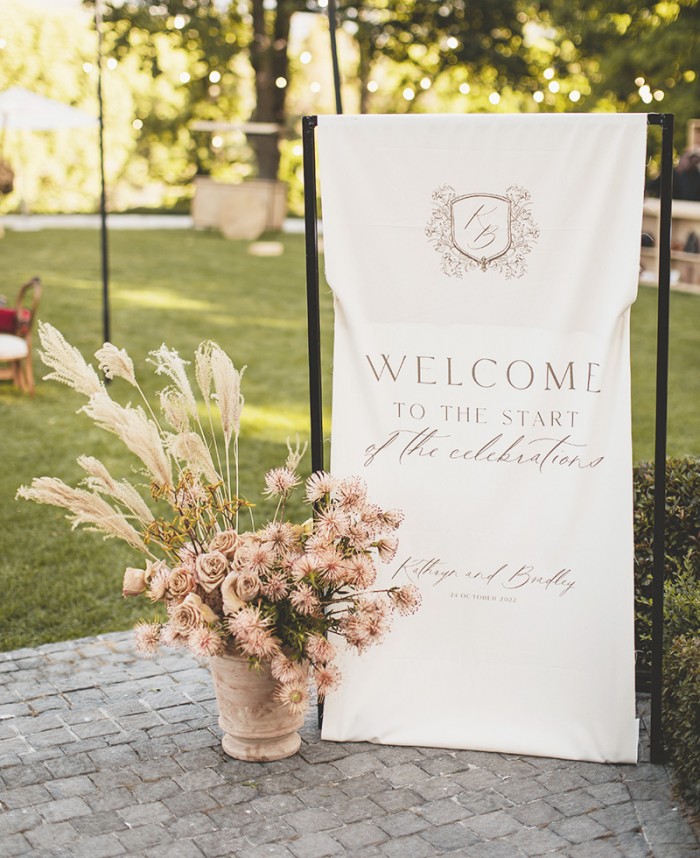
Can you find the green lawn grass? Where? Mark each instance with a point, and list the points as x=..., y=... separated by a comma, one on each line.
x=182, y=288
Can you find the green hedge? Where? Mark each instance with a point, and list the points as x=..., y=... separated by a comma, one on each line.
x=681, y=693
x=682, y=713
x=682, y=537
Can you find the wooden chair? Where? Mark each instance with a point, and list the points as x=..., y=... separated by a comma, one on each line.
x=16, y=337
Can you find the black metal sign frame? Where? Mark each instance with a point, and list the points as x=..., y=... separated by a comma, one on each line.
x=665, y=121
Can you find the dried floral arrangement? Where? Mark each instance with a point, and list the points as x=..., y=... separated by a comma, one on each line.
x=278, y=593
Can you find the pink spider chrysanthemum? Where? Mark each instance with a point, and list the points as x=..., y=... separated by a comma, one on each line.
x=352, y=493
x=332, y=566
x=157, y=588
x=275, y=586
x=286, y=671
x=257, y=558
x=280, y=481
x=147, y=637
x=332, y=523
x=361, y=571
x=305, y=566
x=406, y=599
x=205, y=641
x=278, y=536
x=295, y=695
x=304, y=600
x=370, y=515
x=169, y=636
x=387, y=547
x=252, y=633
x=319, y=485
x=326, y=678
x=359, y=536
x=392, y=518
x=319, y=649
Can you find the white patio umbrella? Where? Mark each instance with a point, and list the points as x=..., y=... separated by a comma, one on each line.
x=23, y=110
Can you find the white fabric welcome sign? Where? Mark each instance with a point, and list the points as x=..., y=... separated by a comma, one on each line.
x=483, y=268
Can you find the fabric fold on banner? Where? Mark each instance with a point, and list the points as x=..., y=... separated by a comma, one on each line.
x=483, y=269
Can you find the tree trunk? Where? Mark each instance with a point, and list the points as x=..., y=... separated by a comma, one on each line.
x=364, y=67
x=268, y=56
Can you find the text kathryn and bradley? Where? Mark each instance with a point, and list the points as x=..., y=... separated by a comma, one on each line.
x=508, y=576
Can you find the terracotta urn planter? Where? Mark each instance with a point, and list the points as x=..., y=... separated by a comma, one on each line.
x=256, y=727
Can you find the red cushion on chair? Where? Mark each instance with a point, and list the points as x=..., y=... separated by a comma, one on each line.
x=15, y=322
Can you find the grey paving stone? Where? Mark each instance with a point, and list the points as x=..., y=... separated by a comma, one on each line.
x=268, y=831
x=321, y=752
x=79, y=785
x=14, y=821
x=316, y=774
x=359, y=764
x=493, y=825
x=311, y=819
x=144, y=814
x=202, y=779
x=536, y=841
x=49, y=738
x=519, y=790
x=573, y=803
x=443, y=810
x=77, y=764
x=99, y=822
x=269, y=850
x=485, y=801
x=276, y=805
x=200, y=758
x=181, y=849
x=109, y=758
x=355, y=809
x=634, y=845
x=190, y=825
x=398, y=799
x=364, y=785
x=491, y=849
x=358, y=835
x=445, y=764
x=448, y=838
x=411, y=846
x=188, y=802
x=102, y=846
x=578, y=829
x=562, y=780
x=617, y=818
x=235, y=817
x=405, y=775
x=139, y=839
x=14, y=844
x=609, y=793
x=475, y=778
x=64, y=808
x=156, y=790
x=52, y=835
x=595, y=849
x=535, y=813
x=23, y=774
x=394, y=755
x=219, y=843
x=316, y=844
x=25, y=796
x=403, y=823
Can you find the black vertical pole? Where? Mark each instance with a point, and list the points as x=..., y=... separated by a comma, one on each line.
x=312, y=295
x=103, y=195
x=332, y=26
x=313, y=309
x=662, y=350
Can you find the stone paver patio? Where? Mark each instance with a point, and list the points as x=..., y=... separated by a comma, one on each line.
x=103, y=753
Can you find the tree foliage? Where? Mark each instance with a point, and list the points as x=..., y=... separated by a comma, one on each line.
x=637, y=56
